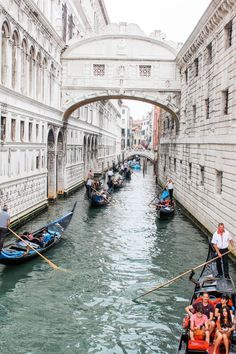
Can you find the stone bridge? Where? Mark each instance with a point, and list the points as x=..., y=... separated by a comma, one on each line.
x=121, y=63
x=149, y=154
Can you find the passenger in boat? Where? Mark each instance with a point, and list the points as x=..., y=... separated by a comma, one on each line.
x=225, y=327
x=221, y=240
x=170, y=188
x=96, y=184
x=224, y=302
x=207, y=309
x=199, y=325
x=4, y=223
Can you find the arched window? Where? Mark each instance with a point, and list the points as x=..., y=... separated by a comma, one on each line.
x=52, y=78
x=4, y=50
x=24, y=67
x=15, y=40
x=44, y=78
x=31, y=71
x=38, y=76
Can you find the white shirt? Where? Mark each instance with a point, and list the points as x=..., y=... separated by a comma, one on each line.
x=221, y=241
x=170, y=185
x=110, y=173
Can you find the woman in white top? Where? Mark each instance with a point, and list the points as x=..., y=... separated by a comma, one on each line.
x=170, y=188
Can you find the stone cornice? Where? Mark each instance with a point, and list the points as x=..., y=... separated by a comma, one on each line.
x=30, y=100
x=206, y=26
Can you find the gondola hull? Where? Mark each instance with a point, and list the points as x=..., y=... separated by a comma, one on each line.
x=165, y=212
x=98, y=201
x=15, y=252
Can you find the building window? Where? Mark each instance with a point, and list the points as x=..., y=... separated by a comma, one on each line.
x=174, y=164
x=190, y=170
x=3, y=128
x=98, y=69
x=37, y=132
x=30, y=131
x=145, y=70
x=37, y=162
x=186, y=75
x=202, y=173
x=219, y=179
x=71, y=26
x=225, y=99
x=194, y=112
x=207, y=108
x=228, y=34
x=196, y=66
x=209, y=53
x=13, y=129
x=64, y=21
x=22, y=130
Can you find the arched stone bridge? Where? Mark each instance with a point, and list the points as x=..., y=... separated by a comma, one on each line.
x=142, y=153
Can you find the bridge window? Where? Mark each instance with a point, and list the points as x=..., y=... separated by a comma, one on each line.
x=145, y=70
x=190, y=170
x=186, y=75
x=194, y=112
x=98, y=69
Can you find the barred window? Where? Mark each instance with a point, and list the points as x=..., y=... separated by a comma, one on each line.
x=98, y=69
x=145, y=70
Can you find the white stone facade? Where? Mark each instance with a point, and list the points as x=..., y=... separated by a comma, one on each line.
x=40, y=156
x=201, y=156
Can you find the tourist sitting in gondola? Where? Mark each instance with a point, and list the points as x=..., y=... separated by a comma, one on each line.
x=225, y=301
x=199, y=326
x=207, y=309
x=225, y=327
x=33, y=239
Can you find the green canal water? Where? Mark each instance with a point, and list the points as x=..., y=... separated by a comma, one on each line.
x=111, y=256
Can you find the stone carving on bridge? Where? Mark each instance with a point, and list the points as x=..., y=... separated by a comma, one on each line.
x=122, y=47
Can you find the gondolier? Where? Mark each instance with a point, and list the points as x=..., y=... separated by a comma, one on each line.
x=221, y=240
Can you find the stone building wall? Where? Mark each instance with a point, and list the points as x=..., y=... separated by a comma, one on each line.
x=201, y=155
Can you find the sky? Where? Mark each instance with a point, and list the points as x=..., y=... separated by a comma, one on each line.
x=176, y=18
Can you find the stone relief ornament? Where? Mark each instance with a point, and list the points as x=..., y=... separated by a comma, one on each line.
x=122, y=47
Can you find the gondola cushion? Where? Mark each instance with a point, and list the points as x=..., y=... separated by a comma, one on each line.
x=198, y=345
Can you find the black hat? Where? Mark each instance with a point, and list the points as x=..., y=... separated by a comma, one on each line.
x=225, y=296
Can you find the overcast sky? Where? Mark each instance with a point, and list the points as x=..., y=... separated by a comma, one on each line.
x=176, y=18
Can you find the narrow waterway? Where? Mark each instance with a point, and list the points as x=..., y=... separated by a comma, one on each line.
x=111, y=256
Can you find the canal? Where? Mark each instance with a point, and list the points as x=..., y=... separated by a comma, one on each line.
x=111, y=256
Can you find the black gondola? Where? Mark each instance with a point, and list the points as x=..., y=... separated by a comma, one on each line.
x=215, y=287
x=98, y=199
x=165, y=211
x=118, y=183
x=42, y=240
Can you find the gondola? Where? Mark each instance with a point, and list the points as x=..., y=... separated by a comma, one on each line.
x=42, y=240
x=165, y=209
x=215, y=287
x=118, y=183
x=136, y=166
x=97, y=199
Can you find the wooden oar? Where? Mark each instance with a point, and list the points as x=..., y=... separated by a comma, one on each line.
x=180, y=276
x=152, y=200
x=54, y=266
